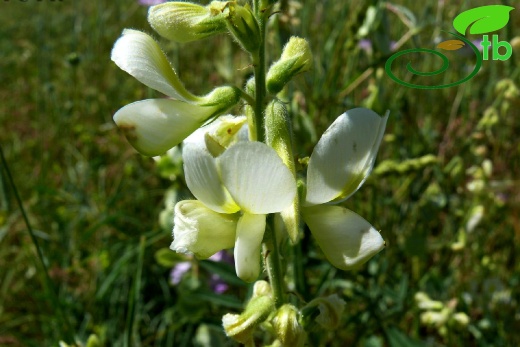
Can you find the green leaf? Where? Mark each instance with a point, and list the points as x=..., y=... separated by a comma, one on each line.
x=396, y=338
x=482, y=19
x=168, y=258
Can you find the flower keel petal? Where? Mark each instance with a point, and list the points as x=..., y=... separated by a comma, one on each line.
x=154, y=126
x=346, y=239
x=201, y=231
x=250, y=231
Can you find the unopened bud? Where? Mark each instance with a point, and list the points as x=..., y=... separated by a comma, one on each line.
x=431, y=305
x=241, y=327
x=223, y=98
x=461, y=319
x=296, y=58
x=184, y=21
x=279, y=137
x=287, y=327
x=242, y=24
x=437, y=319
x=324, y=311
x=262, y=288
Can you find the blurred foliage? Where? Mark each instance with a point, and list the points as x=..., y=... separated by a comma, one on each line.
x=446, y=193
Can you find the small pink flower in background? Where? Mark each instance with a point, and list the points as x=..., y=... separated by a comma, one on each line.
x=150, y=2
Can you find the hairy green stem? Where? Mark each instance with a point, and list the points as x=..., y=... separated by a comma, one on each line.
x=272, y=263
x=260, y=71
x=270, y=246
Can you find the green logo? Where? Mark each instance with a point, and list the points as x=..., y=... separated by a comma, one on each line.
x=479, y=20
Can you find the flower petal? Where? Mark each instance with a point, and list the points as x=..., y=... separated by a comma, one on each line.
x=201, y=231
x=344, y=156
x=203, y=179
x=257, y=178
x=250, y=231
x=154, y=126
x=138, y=54
x=219, y=134
x=346, y=239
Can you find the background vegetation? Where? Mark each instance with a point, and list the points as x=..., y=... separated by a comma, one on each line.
x=445, y=193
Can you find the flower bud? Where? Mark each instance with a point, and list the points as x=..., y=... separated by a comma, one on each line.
x=461, y=319
x=241, y=327
x=262, y=288
x=438, y=319
x=287, y=327
x=222, y=98
x=324, y=311
x=296, y=58
x=279, y=137
x=431, y=305
x=184, y=21
x=242, y=24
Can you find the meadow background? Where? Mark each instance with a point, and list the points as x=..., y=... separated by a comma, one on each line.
x=445, y=192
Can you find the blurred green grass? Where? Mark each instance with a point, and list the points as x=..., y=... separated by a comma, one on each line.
x=94, y=202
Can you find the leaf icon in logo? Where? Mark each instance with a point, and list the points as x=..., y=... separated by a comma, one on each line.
x=483, y=19
x=451, y=45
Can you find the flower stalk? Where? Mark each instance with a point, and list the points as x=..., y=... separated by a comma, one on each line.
x=270, y=247
x=272, y=262
x=260, y=72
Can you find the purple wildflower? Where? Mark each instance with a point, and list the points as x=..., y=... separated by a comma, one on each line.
x=215, y=282
x=150, y=2
x=365, y=45
x=178, y=272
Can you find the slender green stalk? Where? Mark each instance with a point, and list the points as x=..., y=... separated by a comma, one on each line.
x=49, y=286
x=272, y=263
x=260, y=71
x=270, y=247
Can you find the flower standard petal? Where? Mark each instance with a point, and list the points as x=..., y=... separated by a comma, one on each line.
x=201, y=231
x=250, y=232
x=346, y=239
x=154, y=126
x=202, y=177
x=138, y=54
x=256, y=177
x=344, y=156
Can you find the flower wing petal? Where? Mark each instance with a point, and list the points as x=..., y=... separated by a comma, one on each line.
x=201, y=231
x=138, y=54
x=154, y=126
x=344, y=156
x=256, y=177
x=250, y=231
x=346, y=239
x=203, y=179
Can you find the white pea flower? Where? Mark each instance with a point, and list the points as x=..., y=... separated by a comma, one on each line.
x=338, y=166
x=235, y=192
x=153, y=126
